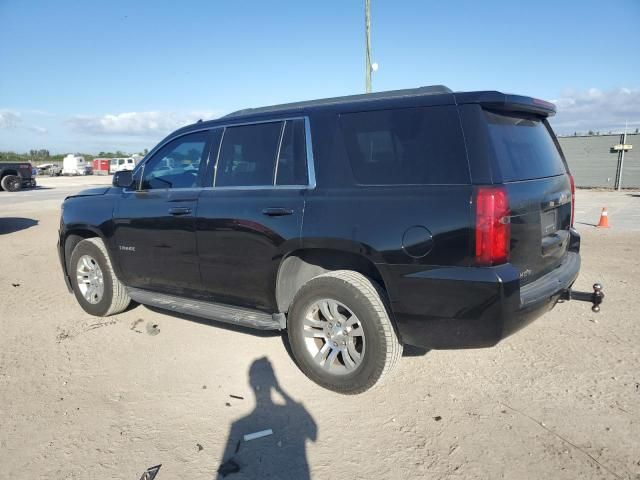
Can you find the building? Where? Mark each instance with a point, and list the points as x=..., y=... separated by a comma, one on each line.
x=594, y=163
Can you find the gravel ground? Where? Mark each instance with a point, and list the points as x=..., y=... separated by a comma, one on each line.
x=84, y=397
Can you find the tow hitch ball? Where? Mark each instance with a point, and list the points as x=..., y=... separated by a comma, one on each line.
x=595, y=298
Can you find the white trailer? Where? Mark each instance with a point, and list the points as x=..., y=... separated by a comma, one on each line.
x=74, y=165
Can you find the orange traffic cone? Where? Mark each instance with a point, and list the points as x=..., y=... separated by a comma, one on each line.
x=604, y=219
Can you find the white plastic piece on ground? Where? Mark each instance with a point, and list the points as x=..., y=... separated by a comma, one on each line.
x=253, y=436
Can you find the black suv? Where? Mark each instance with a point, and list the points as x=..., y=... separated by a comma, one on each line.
x=358, y=224
x=14, y=176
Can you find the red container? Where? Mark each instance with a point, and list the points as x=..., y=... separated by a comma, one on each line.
x=101, y=166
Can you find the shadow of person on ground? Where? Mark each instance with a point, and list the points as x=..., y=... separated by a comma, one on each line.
x=15, y=224
x=279, y=455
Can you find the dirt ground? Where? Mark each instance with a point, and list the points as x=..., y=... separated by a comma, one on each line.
x=95, y=398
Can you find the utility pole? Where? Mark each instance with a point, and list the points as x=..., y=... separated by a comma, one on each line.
x=624, y=143
x=621, y=148
x=367, y=55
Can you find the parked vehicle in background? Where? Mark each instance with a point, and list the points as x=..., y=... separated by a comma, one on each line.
x=51, y=169
x=43, y=168
x=113, y=165
x=14, y=176
x=74, y=165
x=122, y=164
x=359, y=224
x=101, y=166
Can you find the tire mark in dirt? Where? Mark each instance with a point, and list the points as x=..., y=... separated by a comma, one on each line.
x=66, y=334
x=543, y=426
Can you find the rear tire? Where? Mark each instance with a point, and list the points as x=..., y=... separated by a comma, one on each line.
x=95, y=285
x=11, y=183
x=340, y=332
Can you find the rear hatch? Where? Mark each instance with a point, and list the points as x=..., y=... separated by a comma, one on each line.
x=527, y=160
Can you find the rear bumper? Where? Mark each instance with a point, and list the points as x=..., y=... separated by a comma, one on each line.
x=464, y=307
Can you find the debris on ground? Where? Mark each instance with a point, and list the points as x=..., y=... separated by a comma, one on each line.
x=238, y=397
x=135, y=324
x=437, y=418
x=15, y=284
x=227, y=404
x=63, y=335
x=204, y=387
x=150, y=473
x=200, y=447
x=253, y=436
x=152, y=328
x=228, y=467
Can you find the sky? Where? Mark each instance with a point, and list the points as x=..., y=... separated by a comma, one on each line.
x=90, y=76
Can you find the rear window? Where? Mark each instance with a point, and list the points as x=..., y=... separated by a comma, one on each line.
x=524, y=148
x=408, y=146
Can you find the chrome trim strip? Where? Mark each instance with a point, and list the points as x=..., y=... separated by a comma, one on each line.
x=270, y=120
x=275, y=168
x=310, y=162
x=215, y=167
x=259, y=187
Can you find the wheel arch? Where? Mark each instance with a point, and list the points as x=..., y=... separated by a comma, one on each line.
x=9, y=171
x=301, y=265
x=74, y=235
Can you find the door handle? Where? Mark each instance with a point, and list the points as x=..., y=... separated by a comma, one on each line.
x=277, y=211
x=180, y=211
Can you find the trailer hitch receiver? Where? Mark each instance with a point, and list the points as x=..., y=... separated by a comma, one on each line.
x=595, y=298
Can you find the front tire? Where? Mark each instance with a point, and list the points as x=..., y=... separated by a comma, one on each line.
x=340, y=332
x=95, y=285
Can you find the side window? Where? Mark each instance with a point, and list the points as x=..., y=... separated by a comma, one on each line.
x=292, y=161
x=176, y=165
x=406, y=146
x=248, y=155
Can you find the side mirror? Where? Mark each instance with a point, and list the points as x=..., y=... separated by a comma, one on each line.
x=123, y=179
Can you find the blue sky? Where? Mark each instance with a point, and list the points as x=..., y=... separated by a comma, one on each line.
x=106, y=75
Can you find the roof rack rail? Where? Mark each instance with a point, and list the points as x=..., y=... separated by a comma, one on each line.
x=409, y=92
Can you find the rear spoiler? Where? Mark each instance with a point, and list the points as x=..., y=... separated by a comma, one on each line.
x=507, y=102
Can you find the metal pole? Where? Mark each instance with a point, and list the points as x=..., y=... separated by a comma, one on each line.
x=624, y=142
x=367, y=32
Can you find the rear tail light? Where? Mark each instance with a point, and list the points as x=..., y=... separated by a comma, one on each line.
x=573, y=198
x=493, y=226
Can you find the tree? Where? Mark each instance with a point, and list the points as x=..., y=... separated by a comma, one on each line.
x=591, y=132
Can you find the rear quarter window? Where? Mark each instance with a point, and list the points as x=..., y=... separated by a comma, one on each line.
x=407, y=146
x=523, y=147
